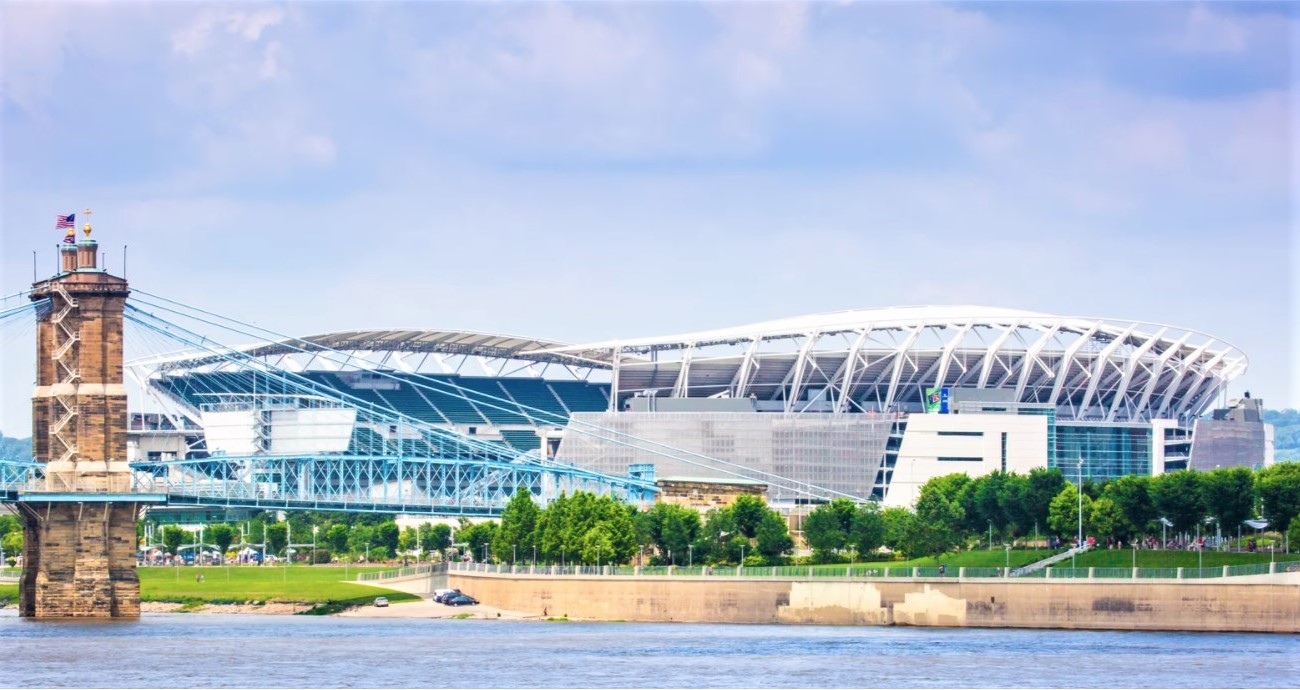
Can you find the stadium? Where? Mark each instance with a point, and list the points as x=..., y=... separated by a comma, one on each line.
x=867, y=403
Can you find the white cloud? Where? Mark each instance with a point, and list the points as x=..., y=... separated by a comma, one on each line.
x=197, y=36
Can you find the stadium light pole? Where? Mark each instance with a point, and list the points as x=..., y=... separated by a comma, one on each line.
x=1078, y=490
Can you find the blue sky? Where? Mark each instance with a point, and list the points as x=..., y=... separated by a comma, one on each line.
x=587, y=171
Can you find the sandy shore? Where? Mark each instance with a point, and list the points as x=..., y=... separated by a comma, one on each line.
x=274, y=607
x=432, y=609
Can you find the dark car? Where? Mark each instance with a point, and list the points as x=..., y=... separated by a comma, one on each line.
x=441, y=596
x=461, y=600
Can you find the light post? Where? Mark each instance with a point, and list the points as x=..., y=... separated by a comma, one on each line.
x=485, y=552
x=1008, y=558
x=990, y=535
x=314, y=528
x=690, y=555
x=514, y=553
x=641, y=559
x=1135, y=555
x=561, y=555
x=1078, y=490
x=742, y=555
x=534, y=555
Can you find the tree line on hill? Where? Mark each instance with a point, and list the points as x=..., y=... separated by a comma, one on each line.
x=1286, y=433
x=956, y=510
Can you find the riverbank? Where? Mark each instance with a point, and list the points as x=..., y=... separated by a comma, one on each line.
x=1149, y=605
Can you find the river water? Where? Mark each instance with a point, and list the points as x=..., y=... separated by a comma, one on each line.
x=179, y=650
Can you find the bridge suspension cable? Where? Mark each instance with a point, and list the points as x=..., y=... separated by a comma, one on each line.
x=493, y=402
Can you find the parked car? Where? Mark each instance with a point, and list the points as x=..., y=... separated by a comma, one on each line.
x=441, y=595
x=461, y=600
x=381, y=601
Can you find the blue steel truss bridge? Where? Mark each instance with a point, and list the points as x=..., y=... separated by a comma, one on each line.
x=281, y=438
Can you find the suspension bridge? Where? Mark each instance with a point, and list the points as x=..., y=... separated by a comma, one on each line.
x=273, y=437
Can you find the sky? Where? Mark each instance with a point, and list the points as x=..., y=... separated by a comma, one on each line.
x=587, y=171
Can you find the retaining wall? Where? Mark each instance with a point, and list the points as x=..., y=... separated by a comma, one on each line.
x=1219, y=606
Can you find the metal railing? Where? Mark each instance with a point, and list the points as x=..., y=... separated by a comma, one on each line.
x=875, y=572
x=409, y=571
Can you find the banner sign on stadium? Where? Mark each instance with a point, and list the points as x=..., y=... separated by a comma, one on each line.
x=936, y=400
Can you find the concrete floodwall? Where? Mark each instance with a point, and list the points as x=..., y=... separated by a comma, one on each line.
x=1008, y=603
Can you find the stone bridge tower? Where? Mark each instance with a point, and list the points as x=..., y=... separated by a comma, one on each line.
x=79, y=548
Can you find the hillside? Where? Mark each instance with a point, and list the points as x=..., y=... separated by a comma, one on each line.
x=1286, y=433
x=15, y=448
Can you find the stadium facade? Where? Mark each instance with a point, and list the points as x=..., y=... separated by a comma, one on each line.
x=868, y=403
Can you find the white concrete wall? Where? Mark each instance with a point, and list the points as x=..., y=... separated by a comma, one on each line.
x=924, y=443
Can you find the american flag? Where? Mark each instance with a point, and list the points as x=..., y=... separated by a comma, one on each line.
x=68, y=221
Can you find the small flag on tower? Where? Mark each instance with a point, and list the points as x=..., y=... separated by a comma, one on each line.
x=68, y=221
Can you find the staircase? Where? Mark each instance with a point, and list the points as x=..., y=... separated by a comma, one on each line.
x=1050, y=560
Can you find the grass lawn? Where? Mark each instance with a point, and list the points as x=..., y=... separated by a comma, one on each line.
x=996, y=558
x=1123, y=558
x=311, y=584
x=9, y=593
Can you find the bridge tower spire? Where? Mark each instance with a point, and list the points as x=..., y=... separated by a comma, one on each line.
x=79, y=520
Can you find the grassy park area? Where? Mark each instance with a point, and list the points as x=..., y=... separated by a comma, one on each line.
x=239, y=584
x=309, y=584
x=1123, y=558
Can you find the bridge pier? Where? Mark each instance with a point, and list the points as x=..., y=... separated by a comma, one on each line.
x=79, y=560
x=79, y=548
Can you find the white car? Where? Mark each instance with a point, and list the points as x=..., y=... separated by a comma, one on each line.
x=381, y=601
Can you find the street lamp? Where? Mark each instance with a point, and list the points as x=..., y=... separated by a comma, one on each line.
x=690, y=555
x=990, y=535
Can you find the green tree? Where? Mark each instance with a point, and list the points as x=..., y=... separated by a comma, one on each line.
x=935, y=527
x=13, y=544
x=1130, y=494
x=476, y=537
x=277, y=537
x=1292, y=535
x=719, y=526
x=1279, y=491
x=437, y=538
x=671, y=528
x=361, y=538
x=386, y=536
x=867, y=531
x=772, y=538
x=223, y=536
x=598, y=546
x=1041, y=487
x=173, y=537
x=336, y=538
x=824, y=532
x=553, y=539
x=407, y=539
x=1177, y=497
x=896, y=523
x=516, y=536
x=1229, y=496
x=748, y=512
x=1106, y=518
x=1063, y=514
